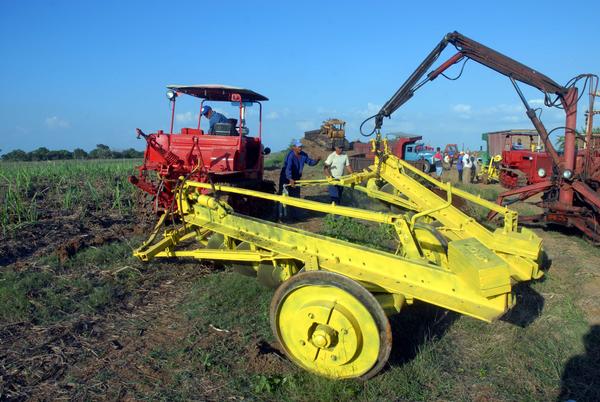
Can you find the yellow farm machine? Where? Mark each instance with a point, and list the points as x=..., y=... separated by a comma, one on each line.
x=333, y=298
x=490, y=173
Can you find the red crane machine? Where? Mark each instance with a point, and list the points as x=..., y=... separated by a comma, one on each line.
x=571, y=193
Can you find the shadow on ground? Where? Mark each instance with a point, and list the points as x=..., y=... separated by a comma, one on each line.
x=412, y=329
x=580, y=380
x=530, y=305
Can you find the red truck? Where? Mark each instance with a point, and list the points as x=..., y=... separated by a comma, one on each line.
x=406, y=148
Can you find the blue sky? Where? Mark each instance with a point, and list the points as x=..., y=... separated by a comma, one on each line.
x=79, y=73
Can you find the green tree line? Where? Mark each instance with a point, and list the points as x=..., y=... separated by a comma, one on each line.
x=44, y=154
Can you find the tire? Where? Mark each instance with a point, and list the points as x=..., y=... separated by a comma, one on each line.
x=331, y=325
x=426, y=166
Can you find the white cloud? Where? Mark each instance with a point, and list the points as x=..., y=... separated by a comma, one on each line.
x=56, y=122
x=370, y=110
x=462, y=108
x=536, y=102
x=504, y=108
x=324, y=111
x=186, y=117
x=272, y=115
x=306, y=125
x=513, y=119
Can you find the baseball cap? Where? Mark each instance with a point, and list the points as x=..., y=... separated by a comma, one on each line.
x=297, y=143
x=205, y=110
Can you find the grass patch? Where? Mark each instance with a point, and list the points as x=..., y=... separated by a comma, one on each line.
x=485, y=192
x=213, y=298
x=30, y=191
x=382, y=237
x=83, y=284
x=275, y=160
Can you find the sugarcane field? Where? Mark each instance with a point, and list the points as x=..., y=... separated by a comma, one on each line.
x=299, y=202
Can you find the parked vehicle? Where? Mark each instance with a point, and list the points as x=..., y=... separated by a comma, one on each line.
x=408, y=148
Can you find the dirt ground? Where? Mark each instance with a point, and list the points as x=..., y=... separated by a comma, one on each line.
x=103, y=354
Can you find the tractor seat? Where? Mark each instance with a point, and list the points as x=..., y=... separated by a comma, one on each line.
x=226, y=128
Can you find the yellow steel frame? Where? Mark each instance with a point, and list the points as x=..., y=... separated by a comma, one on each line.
x=474, y=275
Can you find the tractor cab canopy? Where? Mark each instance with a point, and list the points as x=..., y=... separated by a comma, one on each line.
x=219, y=93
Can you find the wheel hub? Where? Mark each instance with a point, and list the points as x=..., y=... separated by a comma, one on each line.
x=323, y=336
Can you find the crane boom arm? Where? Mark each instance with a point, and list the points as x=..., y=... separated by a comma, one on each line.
x=490, y=58
x=473, y=50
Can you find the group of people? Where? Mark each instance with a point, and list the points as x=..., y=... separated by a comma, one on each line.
x=335, y=165
x=466, y=165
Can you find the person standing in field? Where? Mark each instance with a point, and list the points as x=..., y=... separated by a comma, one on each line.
x=292, y=170
x=437, y=161
x=448, y=160
x=473, y=168
x=334, y=167
x=459, y=166
x=467, y=165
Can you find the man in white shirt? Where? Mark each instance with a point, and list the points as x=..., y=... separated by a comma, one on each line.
x=334, y=167
x=467, y=166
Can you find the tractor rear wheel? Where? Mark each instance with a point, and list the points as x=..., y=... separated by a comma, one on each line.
x=331, y=325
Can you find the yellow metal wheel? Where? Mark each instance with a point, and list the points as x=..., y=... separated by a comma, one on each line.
x=331, y=325
x=245, y=268
x=272, y=276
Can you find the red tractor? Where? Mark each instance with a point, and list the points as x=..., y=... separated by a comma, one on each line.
x=524, y=160
x=228, y=154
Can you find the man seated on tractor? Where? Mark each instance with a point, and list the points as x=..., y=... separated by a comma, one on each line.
x=213, y=118
x=518, y=145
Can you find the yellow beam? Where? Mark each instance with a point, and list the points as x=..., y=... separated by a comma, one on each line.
x=350, y=182
x=357, y=213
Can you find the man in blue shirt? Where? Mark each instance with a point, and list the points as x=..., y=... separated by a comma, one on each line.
x=213, y=118
x=292, y=170
x=518, y=145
